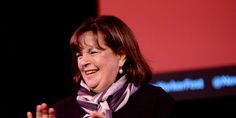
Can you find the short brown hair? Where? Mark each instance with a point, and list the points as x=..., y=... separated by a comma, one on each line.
x=120, y=38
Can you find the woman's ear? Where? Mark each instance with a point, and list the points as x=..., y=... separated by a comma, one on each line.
x=122, y=59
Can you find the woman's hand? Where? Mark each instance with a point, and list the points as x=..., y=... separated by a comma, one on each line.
x=42, y=111
x=97, y=115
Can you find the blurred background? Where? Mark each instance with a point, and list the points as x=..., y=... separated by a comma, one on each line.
x=189, y=44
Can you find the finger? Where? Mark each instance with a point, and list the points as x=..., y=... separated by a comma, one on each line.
x=29, y=115
x=96, y=115
x=51, y=112
x=44, y=108
x=38, y=111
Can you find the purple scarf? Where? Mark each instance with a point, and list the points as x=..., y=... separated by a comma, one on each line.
x=118, y=94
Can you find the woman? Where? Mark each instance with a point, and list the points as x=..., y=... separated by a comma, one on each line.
x=111, y=75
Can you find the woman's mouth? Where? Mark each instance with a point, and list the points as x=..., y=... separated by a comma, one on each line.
x=90, y=71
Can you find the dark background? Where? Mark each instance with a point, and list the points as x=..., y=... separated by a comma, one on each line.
x=38, y=63
x=38, y=58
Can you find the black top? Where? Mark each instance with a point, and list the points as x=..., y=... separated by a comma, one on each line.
x=147, y=102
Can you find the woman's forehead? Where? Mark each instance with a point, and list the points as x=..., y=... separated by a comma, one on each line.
x=91, y=39
x=88, y=38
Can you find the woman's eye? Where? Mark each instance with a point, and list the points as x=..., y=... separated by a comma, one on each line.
x=93, y=52
x=78, y=54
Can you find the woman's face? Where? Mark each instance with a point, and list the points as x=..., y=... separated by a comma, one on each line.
x=99, y=67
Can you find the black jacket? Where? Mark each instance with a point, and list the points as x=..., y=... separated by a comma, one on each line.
x=147, y=102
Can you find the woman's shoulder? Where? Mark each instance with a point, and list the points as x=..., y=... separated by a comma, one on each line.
x=68, y=107
x=155, y=93
x=154, y=90
x=66, y=101
x=148, y=102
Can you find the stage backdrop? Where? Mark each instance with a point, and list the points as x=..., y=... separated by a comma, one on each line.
x=190, y=44
x=180, y=34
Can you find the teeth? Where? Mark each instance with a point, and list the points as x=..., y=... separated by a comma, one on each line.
x=89, y=72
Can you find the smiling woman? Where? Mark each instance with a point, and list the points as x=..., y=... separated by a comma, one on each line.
x=97, y=63
x=111, y=76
